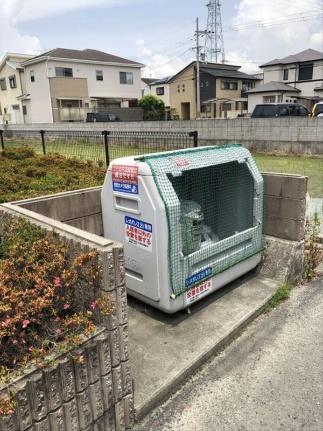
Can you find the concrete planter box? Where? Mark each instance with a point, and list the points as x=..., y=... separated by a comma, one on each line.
x=68, y=395
x=80, y=390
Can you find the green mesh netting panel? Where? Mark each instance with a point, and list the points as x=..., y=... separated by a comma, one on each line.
x=214, y=201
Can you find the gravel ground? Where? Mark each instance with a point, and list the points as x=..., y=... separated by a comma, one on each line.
x=269, y=379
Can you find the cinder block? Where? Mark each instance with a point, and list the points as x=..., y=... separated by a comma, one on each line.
x=42, y=426
x=285, y=186
x=81, y=372
x=93, y=363
x=120, y=416
x=53, y=388
x=293, y=230
x=109, y=420
x=56, y=420
x=117, y=383
x=96, y=397
x=108, y=272
x=129, y=412
x=104, y=354
x=111, y=321
x=107, y=389
x=71, y=416
x=37, y=394
x=285, y=208
x=114, y=338
x=9, y=423
x=84, y=409
x=122, y=305
x=23, y=409
x=67, y=379
x=126, y=378
x=119, y=265
x=124, y=342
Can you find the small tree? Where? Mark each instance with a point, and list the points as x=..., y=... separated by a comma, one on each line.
x=154, y=108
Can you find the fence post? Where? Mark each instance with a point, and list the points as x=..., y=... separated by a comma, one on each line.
x=105, y=134
x=195, y=138
x=42, y=134
x=1, y=139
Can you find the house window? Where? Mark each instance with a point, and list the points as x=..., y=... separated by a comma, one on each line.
x=269, y=99
x=126, y=78
x=183, y=88
x=99, y=75
x=247, y=85
x=66, y=72
x=32, y=76
x=24, y=110
x=3, y=84
x=226, y=106
x=160, y=91
x=305, y=71
x=178, y=88
x=15, y=107
x=229, y=85
x=285, y=75
x=206, y=108
x=12, y=81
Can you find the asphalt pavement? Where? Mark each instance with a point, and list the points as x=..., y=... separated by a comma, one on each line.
x=269, y=379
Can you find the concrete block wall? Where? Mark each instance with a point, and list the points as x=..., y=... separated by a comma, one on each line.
x=284, y=212
x=285, y=205
x=97, y=395
x=284, y=135
x=81, y=209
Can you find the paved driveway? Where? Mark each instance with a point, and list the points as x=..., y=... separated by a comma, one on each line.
x=269, y=379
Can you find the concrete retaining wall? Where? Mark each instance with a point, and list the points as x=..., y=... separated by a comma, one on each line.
x=283, y=135
x=285, y=206
x=101, y=397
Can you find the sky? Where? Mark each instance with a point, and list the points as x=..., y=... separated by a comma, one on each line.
x=160, y=33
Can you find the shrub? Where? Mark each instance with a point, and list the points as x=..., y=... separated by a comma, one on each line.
x=154, y=108
x=24, y=174
x=48, y=300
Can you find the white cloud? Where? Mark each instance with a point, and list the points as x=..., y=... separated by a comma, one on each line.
x=159, y=65
x=317, y=40
x=265, y=42
x=10, y=37
x=34, y=9
x=241, y=59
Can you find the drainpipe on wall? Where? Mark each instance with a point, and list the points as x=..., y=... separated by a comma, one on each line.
x=22, y=111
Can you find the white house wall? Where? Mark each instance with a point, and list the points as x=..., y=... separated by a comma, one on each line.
x=166, y=97
x=8, y=97
x=40, y=100
x=110, y=87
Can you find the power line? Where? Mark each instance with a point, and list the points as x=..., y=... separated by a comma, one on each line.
x=273, y=22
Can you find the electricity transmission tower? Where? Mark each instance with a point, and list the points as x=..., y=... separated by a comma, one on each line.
x=214, y=45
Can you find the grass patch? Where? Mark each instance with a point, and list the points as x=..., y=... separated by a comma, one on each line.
x=25, y=174
x=282, y=294
x=312, y=167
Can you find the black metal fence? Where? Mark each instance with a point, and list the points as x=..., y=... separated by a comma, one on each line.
x=97, y=146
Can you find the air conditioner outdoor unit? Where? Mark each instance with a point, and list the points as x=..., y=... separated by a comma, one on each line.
x=190, y=221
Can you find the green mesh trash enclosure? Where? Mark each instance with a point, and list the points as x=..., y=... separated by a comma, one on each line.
x=190, y=221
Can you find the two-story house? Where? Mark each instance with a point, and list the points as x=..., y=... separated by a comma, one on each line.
x=295, y=78
x=65, y=84
x=161, y=89
x=222, y=91
x=12, y=89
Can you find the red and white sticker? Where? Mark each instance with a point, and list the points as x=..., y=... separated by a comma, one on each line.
x=138, y=233
x=125, y=178
x=197, y=292
x=180, y=162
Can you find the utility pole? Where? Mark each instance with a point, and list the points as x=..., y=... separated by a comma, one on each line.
x=198, y=93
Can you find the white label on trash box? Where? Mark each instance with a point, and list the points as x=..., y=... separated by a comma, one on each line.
x=138, y=233
x=197, y=292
